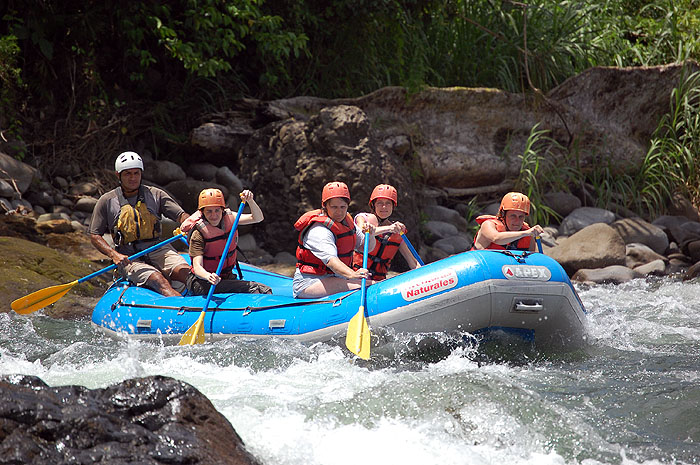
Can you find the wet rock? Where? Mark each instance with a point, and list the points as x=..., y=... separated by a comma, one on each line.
x=656, y=267
x=563, y=203
x=436, y=230
x=152, y=420
x=163, y=172
x=614, y=274
x=637, y=230
x=17, y=174
x=584, y=216
x=595, y=246
x=640, y=254
x=440, y=213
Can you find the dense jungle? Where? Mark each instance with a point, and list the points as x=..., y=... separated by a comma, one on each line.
x=80, y=80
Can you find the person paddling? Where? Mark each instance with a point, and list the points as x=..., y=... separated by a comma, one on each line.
x=327, y=239
x=508, y=230
x=382, y=202
x=131, y=213
x=208, y=230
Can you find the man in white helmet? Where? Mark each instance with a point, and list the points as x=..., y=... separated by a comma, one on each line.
x=131, y=214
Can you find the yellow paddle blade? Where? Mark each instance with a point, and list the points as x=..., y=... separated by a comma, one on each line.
x=42, y=298
x=358, y=338
x=194, y=335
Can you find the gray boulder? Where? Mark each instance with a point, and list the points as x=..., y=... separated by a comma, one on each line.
x=614, y=274
x=563, y=203
x=637, y=230
x=448, y=215
x=163, y=172
x=582, y=217
x=16, y=173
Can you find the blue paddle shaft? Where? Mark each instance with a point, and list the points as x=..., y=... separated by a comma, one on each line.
x=223, y=255
x=365, y=253
x=413, y=251
x=136, y=255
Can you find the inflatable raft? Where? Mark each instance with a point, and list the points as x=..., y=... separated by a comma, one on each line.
x=497, y=292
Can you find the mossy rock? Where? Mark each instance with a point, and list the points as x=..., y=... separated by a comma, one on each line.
x=28, y=267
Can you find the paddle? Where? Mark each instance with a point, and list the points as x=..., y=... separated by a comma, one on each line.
x=44, y=297
x=195, y=334
x=539, y=244
x=357, y=339
x=410, y=247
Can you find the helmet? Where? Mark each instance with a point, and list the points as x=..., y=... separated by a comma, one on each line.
x=334, y=190
x=128, y=160
x=211, y=198
x=384, y=191
x=515, y=201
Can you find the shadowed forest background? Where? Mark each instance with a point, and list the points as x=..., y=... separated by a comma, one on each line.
x=83, y=79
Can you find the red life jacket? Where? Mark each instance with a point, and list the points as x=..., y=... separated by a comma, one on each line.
x=307, y=262
x=214, y=240
x=379, y=259
x=521, y=244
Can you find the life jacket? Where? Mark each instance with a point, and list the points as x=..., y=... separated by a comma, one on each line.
x=136, y=223
x=307, y=262
x=214, y=240
x=521, y=244
x=379, y=259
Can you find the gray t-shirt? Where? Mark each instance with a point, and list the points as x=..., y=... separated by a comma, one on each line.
x=106, y=212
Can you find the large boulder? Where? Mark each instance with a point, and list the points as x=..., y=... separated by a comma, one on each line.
x=636, y=230
x=15, y=174
x=595, y=246
x=151, y=420
x=288, y=163
x=584, y=216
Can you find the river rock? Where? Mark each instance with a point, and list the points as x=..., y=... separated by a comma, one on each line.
x=582, y=217
x=152, y=420
x=637, y=230
x=454, y=244
x=440, y=213
x=595, y=246
x=435, y=230
x=83, y=188
x=225, y=176
x=187, y=192
x=563, y=203
x=288, y=162
x=16, y=173
x=85, y=204
x=6, y=190
x=656, y=267
x=614, y=274
x=202, y=171
x=163, y=172
x=640, y=254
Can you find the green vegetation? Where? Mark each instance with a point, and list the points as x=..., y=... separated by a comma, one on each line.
x=670, y=167
x=138, y=66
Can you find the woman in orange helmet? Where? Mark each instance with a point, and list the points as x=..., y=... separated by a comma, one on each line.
x=382, y=203
x=508, y=230
x=208, y=230
x=328, y=238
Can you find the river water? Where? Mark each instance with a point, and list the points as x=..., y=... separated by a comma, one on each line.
x=632, y=396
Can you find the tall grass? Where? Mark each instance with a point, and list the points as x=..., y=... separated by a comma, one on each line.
x=672, y=163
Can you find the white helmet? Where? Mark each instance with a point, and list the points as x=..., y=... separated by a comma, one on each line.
x=128, y=160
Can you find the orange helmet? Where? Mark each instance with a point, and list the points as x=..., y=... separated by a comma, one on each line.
x=384, y=191
x=334, y=190
x=211, y=198
x=515, y=201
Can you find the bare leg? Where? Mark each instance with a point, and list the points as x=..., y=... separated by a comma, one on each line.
x=331, y=285
x=158, y=283
x=180, y=273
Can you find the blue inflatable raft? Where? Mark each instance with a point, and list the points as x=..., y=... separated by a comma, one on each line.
x=521, y=293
